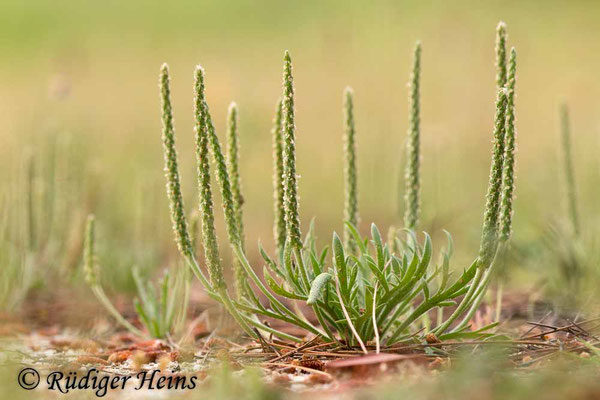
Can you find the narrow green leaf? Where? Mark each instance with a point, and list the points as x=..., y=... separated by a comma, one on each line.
x=278, y=289
x=339, y=260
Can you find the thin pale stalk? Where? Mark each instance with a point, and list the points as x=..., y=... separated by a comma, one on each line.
x=375, y=328
x=466, y=302
x=499, y=294
x=569, y=176
x=239, y=317
x=268, y=329
x=31, y=220
x=101, y=296
x=347, y=316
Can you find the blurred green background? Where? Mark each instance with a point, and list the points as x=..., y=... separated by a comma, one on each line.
x=78, y=87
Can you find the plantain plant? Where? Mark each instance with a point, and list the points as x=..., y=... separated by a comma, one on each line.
x=359, y=289
x=160, y=309
x=568, y=254
x=40, y=209
x=92, y=272
x=157, y=307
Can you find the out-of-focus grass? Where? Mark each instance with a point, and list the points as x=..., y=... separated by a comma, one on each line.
x=90, y=70
x=488, y=376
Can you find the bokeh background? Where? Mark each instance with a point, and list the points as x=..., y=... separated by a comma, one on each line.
x=80, y=124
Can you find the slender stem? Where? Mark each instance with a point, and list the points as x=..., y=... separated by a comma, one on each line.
x=571, y=194
x=330, y=336
x=266, y=328
x=466, y=302
x=350, y=325
x=499, y=293
x=416, y=313
x=485, y=282
x=375, y=328
x=31, y=243
x=226, y=300
x=101, y=296
x=191, y=261
x=275, y=314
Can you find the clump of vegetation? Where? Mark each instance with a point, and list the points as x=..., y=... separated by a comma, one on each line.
x=91, y=271
x=161, y=309
x=370, y=290
x=566, y=253
x=41, y=219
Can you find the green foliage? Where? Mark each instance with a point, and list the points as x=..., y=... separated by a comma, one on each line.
x=497, y=218
x=161, y=309
x=370, y=290
x=91, y=272
x=205, y=137
x=158, y=307
x=42, y=214
x=407, y=287
x=565, y=257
